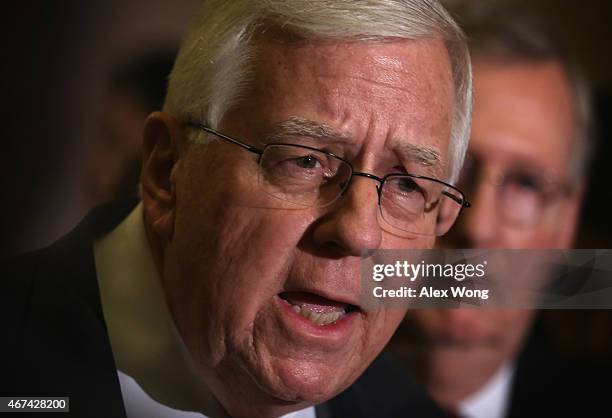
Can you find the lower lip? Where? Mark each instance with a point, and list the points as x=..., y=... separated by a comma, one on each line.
x=336, y=333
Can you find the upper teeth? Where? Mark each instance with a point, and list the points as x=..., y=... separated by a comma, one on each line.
x=318, y=318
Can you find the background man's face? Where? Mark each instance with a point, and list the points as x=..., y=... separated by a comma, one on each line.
x=520, y=150
x=237, y=263
x=519, y=157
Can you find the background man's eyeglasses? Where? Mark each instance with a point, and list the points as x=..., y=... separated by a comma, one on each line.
x=303, y=176
x=523, y=195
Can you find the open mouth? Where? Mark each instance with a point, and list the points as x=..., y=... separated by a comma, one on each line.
x=317, y=309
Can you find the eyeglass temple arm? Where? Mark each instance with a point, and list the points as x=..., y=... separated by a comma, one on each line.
x=228, y=138
x=464, y=203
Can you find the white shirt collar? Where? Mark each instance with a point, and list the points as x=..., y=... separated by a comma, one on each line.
x=156, y=373
x=491, y=400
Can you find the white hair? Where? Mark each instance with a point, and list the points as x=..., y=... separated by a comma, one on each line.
x=212, y=68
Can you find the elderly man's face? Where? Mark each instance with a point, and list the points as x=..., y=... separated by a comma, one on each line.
x=518, y=171
x=238, y=264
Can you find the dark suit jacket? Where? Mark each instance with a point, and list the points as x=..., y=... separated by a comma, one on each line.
x=550, y=384
x=55, y=342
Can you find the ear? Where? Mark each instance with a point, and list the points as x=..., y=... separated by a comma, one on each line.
x=160, y=157
x=571, y=215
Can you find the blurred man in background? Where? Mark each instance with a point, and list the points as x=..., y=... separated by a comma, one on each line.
x=113, y=159
x=525, y=171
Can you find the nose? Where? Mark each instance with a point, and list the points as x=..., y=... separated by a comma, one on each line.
x=351, y=224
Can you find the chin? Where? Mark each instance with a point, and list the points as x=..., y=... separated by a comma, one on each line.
x=299, y=382
x=313, y=385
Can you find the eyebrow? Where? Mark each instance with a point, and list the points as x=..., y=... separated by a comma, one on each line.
x=420, y=154
x=296, y=126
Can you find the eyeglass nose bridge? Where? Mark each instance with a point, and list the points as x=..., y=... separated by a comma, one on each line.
x=366, y=175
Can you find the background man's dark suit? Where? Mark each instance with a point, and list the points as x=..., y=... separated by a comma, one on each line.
x=56, y=343
x=549, y=384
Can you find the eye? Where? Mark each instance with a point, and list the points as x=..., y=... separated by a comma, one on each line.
x=523, y=197
x=524, y=181
x=402, y=197
x=307, y=162
x=295, y=163
x=405, y=189
x=527, y=182
x=408, y=185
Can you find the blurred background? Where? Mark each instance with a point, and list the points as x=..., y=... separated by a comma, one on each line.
x=79, y=78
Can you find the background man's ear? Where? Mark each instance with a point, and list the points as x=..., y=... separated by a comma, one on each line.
x=160, y=157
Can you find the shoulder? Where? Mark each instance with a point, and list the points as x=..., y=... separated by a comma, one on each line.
x=56, y=342
x=48, y=298
x=42, y=282
x=59, y=277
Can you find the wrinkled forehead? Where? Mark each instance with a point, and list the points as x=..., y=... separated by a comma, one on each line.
x=392, y=67
x=404, y=85
x=523, y=113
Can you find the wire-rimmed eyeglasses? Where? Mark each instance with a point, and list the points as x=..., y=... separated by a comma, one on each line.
x=524, y=191
x=304, y=176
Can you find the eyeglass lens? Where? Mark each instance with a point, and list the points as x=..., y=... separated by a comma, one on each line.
x=309, y=178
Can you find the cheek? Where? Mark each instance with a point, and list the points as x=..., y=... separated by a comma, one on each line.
x=236, y=263
x=553, y=231
x=393, y=242
x=377, y=328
